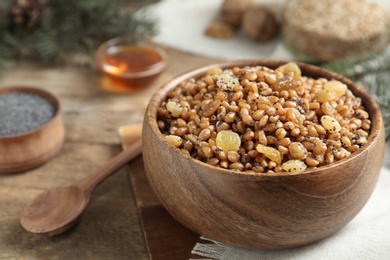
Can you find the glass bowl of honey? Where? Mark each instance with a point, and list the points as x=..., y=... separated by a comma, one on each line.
x=130, y=64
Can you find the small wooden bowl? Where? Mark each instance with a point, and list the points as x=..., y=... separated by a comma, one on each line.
x=31, y=149
x=266, y=211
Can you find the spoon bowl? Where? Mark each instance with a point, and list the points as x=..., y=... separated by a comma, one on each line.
x=50, y=209
x=58, y=209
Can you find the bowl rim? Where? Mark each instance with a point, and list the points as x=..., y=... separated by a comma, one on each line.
x=136, y=41
x=34, y=91
x=377, y=123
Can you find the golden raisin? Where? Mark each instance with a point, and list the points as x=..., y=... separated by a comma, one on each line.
x=325, y=96
x=228, y=140
x=291, y=67
x=269, y=152
x=336, y=87
x=174, y=108
x=297, y=150
x=285, y=83
x=227, y=81
x=294, y=166
x=211, y=108
x=174, y=140
x=330, y=124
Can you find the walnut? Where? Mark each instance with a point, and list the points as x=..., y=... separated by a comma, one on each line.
x=260, y=24
x=220, y=30
x=232, y=11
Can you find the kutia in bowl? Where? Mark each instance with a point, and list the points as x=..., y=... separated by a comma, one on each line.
x=263, y=153
x=31, y=128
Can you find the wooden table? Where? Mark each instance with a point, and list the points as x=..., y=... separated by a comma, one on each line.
x=110, y=228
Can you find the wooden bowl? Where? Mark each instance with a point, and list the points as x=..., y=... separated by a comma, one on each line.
x=270, y=210
x=21, y=152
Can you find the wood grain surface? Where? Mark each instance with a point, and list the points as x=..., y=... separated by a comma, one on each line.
x=110, y=228
x=165, y=237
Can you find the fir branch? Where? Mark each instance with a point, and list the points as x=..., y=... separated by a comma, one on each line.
x=358, y=69
x=68, y=27
x=45, y=45
x=373, y=74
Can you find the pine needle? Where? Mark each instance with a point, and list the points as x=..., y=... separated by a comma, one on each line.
x=373, y=75
x=69, y=27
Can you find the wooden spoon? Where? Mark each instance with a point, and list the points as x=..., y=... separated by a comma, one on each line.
x=58, y=209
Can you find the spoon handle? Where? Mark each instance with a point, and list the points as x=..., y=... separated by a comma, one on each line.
x=89, y=183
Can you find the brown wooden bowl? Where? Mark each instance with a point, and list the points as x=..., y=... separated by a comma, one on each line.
x=31, y=149
x=270, y=210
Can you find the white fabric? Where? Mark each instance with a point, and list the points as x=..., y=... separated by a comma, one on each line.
x=366, y=237
x=181, y=25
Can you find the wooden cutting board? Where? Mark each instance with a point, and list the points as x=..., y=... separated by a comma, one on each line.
x=165, y=237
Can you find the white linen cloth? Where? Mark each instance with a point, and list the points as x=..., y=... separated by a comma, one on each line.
x=181, y=25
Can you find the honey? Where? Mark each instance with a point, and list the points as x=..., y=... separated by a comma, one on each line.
x=130, y=68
